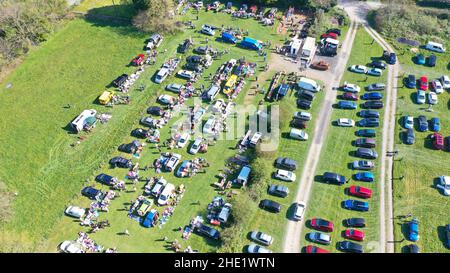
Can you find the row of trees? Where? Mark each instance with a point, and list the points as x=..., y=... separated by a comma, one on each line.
x=26, y=23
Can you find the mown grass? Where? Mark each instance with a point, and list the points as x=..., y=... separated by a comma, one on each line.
x=420, y=164
x=326, y=200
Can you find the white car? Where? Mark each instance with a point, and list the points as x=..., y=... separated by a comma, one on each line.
x=71, y=247
x=444, y=184
x=350, y=87
x=359, y=69
x=167, y=99
x=437, y=86
x=209, y=125
x=75, y=211
x=261, y=238
x=432, y=98
x=184, y=138
x=158, y=187
x=299, y=211
x=298, y=134
x=173, y=162
x=254, y=248
x=421, y=98
x=345, y=122
x=175, y=87
x=196, y=146
x=285, y=175
x=303, y=115
x=208, y=30
x=445, y=80
x=186, y=74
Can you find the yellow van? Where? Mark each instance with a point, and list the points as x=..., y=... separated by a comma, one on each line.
x=106, y=97
x=229, y=86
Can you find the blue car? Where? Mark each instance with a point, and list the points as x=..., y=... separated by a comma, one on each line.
x=150, y=219
x=366, y=133
x=375, y=72
x=392, y=58
x=411, y=82
x=365, y=176
x=356, y=205
x=105, y=179
x=91, y=193
x=229, y=38
x=369, y=122
x=372, y=96
x=420, y=59
x=344, y=104
x=435, y=124
x=413, y=234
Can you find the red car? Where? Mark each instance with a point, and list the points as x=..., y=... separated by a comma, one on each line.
x=322, y=224
x=423, y=82
x=360, y=192
x=139, y=60
x=349, y=96
x=438, y=141
x=354, y=234
x=315, y=249
x=331, y=35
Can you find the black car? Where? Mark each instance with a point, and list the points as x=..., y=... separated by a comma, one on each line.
x=366, y=133
x=140, y=133
x=184, y=47
x=351, y=247
x=120, y=80
x=355, y=222
x=196, y=67
x=270, y=205
x=92, y=193
x=120, y=162
x=105, y=179
x=308, y=95
x=202, y=50
x=286, y=163
x=369, y=122
x=412, y=248
x=298, y=123
x=373, y=104
x=423, y=123
x=378, y=64
x=155, y=110
x=334, y=30
x=392, y=59
x=208, y=231
x=334, y=178
x=447, y=235
x=410, y=137
x=369, y=114
x=304, y=104
x=365, y=142
x=194, y=59
x=431, y=61
x=278, y=190
x=366, y=153
x=130, y=148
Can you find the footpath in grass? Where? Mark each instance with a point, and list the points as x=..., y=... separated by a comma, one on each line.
x=420, y=164
x=338, y=153
x=199, y=191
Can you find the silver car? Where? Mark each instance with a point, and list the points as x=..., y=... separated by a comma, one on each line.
x=261, y=238
x=254, y=248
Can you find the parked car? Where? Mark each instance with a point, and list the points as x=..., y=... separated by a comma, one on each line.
x=437, y=87
x=354, y=234
x=315, y=249
x=366, y=133
x=303, y=115
x=334, y=30
x=432, y=98
x=355, y=222
x=184, y=47
x=285, y=175
x=155, y=110
x=435, y=124
x=421, y=97
x=444, y=184
x=359, y=191
x=358, y=69
x=412, y=248
x=334, y=178
x=173, y=162
x=350, y=87
x=167, y=99
x=376, y=87
x=372, y=96
x=298, y=123
x=345, y=122
x=299, y=211
x=304, y=104
x=343, y=104
x=413, y=230
x=105, y=179
x=423, y=83
x=410, y=137
x=363, y=165
x=120, y=162
x=366, y=153
x=320, y=238
x=286, y=163
x=130, y=148
x=75, y=211
x=369, y=122
x=447, y=235
x=298, y=134
x=270, y=205
x=175, y=87
x=356, y=205
x=445, y=80
x=278, y=190
x=186, y=74
x=408, y=122
x=373, y=104
x=196, y=145
x=208, y=231
x=261, y=238
x=320, y=65
x=378, y=64
x=438, y=141
x=431, y=61
x=120, y=80
x=208, y=30
x=254, y=248
x=420, y=59
x=392, y=58
x=322, y=224
x=347, y=246
x=423, y=124
x=366, y=142
x=350, y=96
x=375, y=72
x=92, y=193
x=183, y=140
x=71, y=247
x=365, y=176
x=369, y=114
x=411, y=82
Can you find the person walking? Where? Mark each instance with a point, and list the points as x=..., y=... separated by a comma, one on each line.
x=126, y=232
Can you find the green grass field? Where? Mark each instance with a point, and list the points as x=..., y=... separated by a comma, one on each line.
x=419, y=163
x=325, y=200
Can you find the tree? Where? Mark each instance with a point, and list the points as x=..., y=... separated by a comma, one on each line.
x=158, y=17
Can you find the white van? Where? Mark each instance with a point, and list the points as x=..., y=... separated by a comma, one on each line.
x=256, y=138
x=172, y=162
x=166, y=194
x=298, y=134
x=162, y=75
x=209, y=125
x=224, y=213
x=435, y=47
x=212, y=92
x=308, y=84
x=79, y=122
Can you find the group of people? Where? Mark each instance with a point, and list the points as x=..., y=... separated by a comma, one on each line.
x=87, y=243
x=125, y=87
